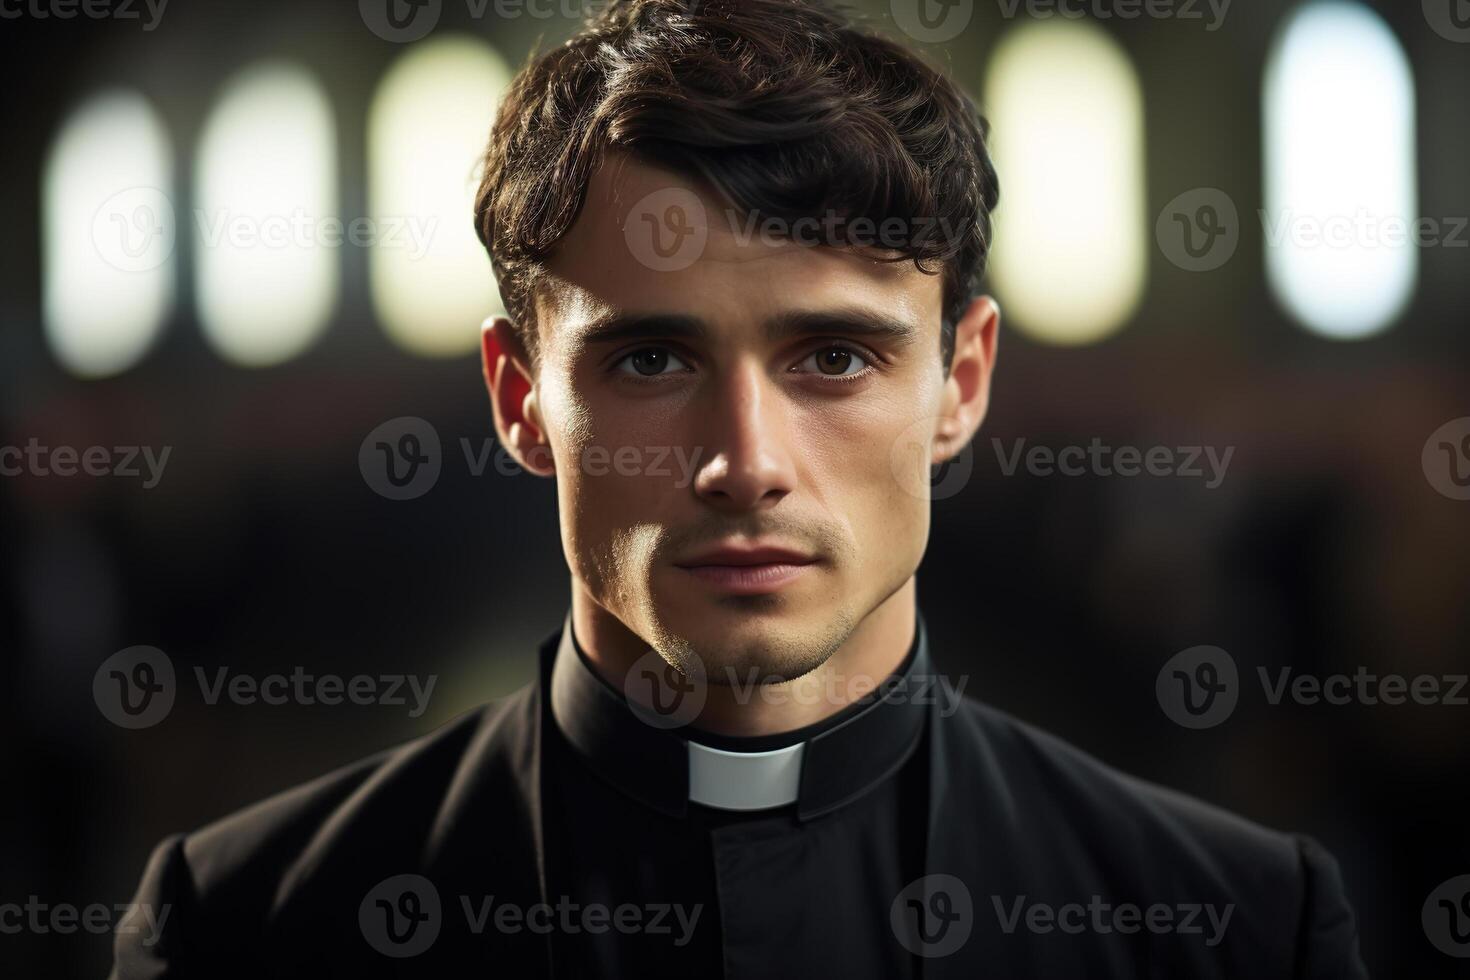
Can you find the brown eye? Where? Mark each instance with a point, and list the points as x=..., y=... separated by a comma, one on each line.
x=836, y=362
x=650, y=362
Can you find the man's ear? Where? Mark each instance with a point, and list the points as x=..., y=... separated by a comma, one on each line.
x=967, y=389
x=509, y=378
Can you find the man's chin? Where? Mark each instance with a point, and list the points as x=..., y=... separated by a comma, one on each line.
x=737, y=642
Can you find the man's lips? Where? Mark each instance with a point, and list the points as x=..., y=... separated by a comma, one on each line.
x=748, y=571
x=739, y=557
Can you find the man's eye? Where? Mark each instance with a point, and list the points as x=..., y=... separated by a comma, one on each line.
x=835, y=361
x=650, y=362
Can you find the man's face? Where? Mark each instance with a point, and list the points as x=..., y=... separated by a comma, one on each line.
x=766, y=394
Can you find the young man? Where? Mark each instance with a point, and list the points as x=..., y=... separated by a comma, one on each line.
x=737, y=242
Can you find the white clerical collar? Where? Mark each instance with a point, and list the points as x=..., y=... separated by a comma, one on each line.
x=744, y=780
x=667, y=765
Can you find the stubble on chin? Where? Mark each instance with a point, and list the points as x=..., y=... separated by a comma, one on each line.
x=768, y=658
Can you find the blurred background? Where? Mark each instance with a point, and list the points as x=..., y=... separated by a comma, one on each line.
x=238, y=242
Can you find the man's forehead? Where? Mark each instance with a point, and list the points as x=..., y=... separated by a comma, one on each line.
x=601, y=268
x=628, y=200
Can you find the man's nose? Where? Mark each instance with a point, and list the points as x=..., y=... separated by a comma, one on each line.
x=748, y=459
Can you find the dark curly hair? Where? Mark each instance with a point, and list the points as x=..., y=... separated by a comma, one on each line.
x=785, y=106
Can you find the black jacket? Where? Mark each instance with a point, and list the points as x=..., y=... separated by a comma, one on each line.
x=1042, y=863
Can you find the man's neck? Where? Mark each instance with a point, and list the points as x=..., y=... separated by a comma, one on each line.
x=866, y=658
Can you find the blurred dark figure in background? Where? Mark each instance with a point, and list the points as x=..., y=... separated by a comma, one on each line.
x=738, y=243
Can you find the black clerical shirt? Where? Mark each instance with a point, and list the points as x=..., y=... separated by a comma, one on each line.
x=924, y=824
x=736, y=891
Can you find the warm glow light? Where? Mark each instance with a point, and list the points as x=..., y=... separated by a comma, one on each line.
x=267, y=230
x=1070, y=252
x=107, y=236
x=430, y=121
x=1339, y=221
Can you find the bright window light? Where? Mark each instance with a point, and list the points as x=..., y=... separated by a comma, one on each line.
x=427, y=131
x=1071, y=236
x=107, y=236
x=1340, y=196
x=267, y=230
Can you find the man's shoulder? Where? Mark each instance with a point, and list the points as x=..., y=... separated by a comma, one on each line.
x=1074, y=829
x=391, y=800
x=1039, y=776
x=295, y=865
x=1051, y=786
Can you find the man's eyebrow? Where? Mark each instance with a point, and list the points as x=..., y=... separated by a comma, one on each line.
x=615, y=327
x=858, y=321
